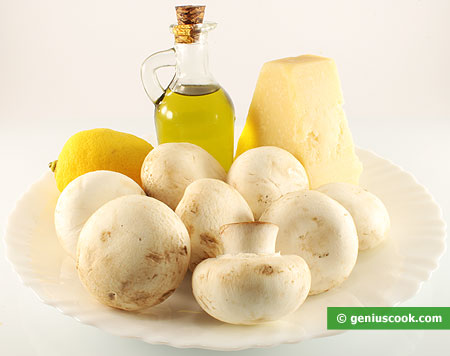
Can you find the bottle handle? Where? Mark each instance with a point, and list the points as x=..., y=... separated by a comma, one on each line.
x=149, y=67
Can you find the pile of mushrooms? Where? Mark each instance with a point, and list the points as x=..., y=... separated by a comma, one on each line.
x=133, y=245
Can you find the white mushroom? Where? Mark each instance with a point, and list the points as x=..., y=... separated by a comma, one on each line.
x=170, y=167
x=319, y=229
x=133, y=253
x=264, y=174
x=208, y=204
x=82, y=197
x=251, y=284
x=367, y=210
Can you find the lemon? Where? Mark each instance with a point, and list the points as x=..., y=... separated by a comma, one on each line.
x=248, y=139
x=100, y=149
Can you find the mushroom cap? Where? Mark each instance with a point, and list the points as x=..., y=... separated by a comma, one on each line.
x=319, y=229
x=133, y=253
x=170, y=167
x=250, y=288
x=367, y=210
x=264, y=174
x=208, y=204
x=82, y=197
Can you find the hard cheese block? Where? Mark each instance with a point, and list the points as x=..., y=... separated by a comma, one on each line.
x=297, y=105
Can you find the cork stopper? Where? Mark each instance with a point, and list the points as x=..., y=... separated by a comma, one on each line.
x=187, y=18
x=190, y=14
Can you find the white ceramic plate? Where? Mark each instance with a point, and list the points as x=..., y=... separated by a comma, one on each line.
x=384, y=276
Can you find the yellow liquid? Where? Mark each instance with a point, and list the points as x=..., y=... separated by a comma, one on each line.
x=202, y=115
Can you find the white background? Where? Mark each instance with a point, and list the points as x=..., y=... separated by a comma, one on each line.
x=67, y=66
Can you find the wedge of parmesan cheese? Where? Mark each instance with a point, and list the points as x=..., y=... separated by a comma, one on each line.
x=297, y=105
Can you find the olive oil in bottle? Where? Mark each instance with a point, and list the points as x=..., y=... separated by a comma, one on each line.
x=202, y=115
x=194, y=108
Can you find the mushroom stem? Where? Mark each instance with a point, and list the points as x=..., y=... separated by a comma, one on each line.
x=249, y=237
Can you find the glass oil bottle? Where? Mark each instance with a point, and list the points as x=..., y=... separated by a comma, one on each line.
x=194, y=108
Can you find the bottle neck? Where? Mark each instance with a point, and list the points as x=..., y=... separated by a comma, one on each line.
x=192, y=67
